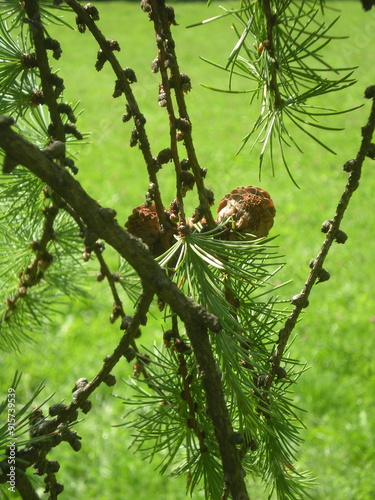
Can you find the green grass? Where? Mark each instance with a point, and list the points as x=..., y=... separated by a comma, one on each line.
x=336, y=336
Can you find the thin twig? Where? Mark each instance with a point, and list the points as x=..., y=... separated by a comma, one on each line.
x=164, y=61
x=158, y=12
x=49, y=93
x=125, y=342
x=118, y=310
x=32, y=274
x=138, y=117
x=105, y=271
x=270, y=48
x=301, y=300
x=34, y=453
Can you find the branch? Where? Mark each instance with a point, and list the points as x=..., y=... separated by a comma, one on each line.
x=332, y=228
x=49, y=93
x=166, y=45
x=164, y=61
x=25, y=487
x=25, y=458
x=270, y=47
x=103, y=222
x=105, y=272
x=111, y=360
x=34, y=272
x=218, y=412
x=155, y=280
x=53, y=430
x=123, y=85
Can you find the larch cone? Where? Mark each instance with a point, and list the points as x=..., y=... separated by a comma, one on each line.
x=251, y=212
x=144, y=224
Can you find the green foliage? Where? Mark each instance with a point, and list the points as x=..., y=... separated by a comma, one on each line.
x=18, y=431
x=279, y=52
x=167, y=425
x=15, y=12
x=30, y=296
x=18, y=82
x=24, y=221
x=21, y=225
x=231, y=279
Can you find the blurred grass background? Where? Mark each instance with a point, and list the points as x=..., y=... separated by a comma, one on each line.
x=336, y=337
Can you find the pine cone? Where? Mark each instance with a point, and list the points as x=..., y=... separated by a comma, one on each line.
x=251, y=211
x=144, y=224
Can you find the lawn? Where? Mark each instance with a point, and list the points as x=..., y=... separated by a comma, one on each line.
x=336, y=337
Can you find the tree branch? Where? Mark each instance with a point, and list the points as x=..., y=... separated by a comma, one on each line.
x=24, y=486
x=155, y=280
x=269, y=45
x=102, y=221
x=162, y=21
x=36, y=453
x=123, y=84
x=49, y=93
x=164, y=61
x=332, y=228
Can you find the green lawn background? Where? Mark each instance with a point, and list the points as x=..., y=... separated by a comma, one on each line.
x=335, y=337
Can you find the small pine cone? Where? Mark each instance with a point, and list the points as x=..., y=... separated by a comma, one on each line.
x=251, y=210
x=144, y=223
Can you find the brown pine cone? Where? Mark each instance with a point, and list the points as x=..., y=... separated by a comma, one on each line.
x=251, y=211
x=144, y=224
